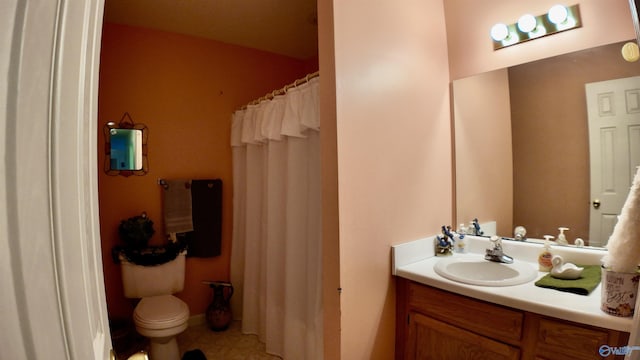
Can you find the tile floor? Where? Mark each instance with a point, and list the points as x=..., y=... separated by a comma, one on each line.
x=230, y=344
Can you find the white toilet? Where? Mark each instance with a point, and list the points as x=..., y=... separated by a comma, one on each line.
x=159, y=315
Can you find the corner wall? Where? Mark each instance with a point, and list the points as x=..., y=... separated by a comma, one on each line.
x=185, y=90
x=329, y=172
x=394, y=154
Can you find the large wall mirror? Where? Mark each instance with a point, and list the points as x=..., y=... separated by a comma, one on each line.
x=522, y=147
x=126, y=147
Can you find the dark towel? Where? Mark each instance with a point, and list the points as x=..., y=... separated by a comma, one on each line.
x=196, y=354
x=206, y=206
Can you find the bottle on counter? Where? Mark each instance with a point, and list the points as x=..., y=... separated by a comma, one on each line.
x=562, y=239
x=461, y=242
x=544, y=259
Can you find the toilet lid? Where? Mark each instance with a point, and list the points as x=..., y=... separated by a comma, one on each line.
x=157, y=312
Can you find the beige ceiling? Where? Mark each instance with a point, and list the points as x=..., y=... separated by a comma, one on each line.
x=286, y=27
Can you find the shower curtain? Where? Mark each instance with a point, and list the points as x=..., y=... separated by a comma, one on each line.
x=276, y=246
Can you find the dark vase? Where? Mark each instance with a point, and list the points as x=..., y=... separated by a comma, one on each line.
x=219, y=314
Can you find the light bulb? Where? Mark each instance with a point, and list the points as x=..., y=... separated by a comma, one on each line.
x=499, y=32
x=527, y=23
x=558, y=14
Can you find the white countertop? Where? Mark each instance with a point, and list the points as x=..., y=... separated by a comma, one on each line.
x=415, y=261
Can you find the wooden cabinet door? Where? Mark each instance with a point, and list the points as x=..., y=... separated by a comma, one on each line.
x=551, y=338
x=432, y=339
x=493, y=321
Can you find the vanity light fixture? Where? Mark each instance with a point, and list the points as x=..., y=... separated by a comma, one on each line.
x=499, y=32
x=527, y=23
x=558, y=14
x=558, y=18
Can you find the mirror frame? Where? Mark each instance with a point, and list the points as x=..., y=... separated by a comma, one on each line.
x=126, y=122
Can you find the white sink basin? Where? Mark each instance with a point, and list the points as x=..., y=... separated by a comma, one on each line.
x=478, y=271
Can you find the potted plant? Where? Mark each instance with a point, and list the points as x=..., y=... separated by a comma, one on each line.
x=136, y=231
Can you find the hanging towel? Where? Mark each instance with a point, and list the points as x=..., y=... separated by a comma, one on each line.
x=177, y=206
x=206, y=201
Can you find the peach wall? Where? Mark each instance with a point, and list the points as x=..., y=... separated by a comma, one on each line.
x=184, y=89
x=484, y=163
x=394, y=154
x=471, y=49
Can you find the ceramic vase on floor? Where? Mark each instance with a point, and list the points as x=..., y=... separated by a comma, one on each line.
x=219, y=313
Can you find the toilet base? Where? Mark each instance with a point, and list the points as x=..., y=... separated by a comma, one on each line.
x=164, y=349
x=162, y=342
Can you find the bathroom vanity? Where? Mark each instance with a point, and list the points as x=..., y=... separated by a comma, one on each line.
x=442, y=318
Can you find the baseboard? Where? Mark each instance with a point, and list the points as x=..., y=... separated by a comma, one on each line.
x=197, y=320
x=201, y=319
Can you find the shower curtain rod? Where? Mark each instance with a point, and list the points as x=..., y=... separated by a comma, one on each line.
x=283, y=90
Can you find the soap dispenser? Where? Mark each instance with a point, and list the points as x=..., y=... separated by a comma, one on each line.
x=562, y=240
x=544, y=259
x=471, y=229
x=461, y=242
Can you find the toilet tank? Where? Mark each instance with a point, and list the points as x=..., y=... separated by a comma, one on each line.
x=142, y=281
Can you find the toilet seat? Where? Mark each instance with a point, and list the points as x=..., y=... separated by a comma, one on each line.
x=160, y=312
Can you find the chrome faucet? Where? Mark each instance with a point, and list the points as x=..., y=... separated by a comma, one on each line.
x=496, y=254
x=475, y=228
